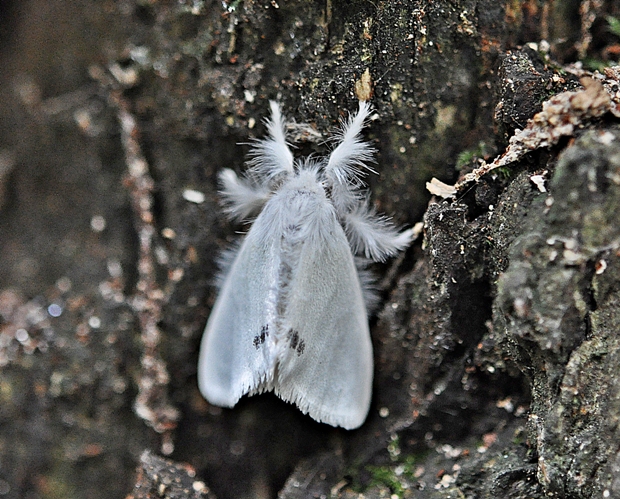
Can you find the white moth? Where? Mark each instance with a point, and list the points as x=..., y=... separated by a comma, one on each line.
x=291, y=314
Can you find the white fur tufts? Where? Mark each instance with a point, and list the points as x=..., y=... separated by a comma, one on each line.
x=241, y=199
x=272, y=156
x=374, y=236
x=347, y=162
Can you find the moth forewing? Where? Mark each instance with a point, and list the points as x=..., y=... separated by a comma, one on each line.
x=327, y=366
x=235, y=354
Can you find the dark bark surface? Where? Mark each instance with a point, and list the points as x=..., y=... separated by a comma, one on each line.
x=496, y=343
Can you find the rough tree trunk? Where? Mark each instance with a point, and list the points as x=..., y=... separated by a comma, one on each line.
x=496, y=345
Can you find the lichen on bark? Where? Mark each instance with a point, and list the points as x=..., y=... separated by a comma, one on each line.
x=558, y=325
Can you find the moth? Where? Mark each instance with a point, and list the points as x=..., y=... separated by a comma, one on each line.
x=291, y=314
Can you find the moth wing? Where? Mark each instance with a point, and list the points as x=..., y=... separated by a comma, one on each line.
x=327, y=367
x=237, y=355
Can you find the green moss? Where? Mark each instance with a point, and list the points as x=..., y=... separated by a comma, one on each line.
x=465, y=158
x=505, y=171
x=593, y=64
x=395, y=477
x=614, y=25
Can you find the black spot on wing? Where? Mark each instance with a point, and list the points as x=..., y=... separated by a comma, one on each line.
x=295, y=342
x=259, y=339
x=301, y=347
